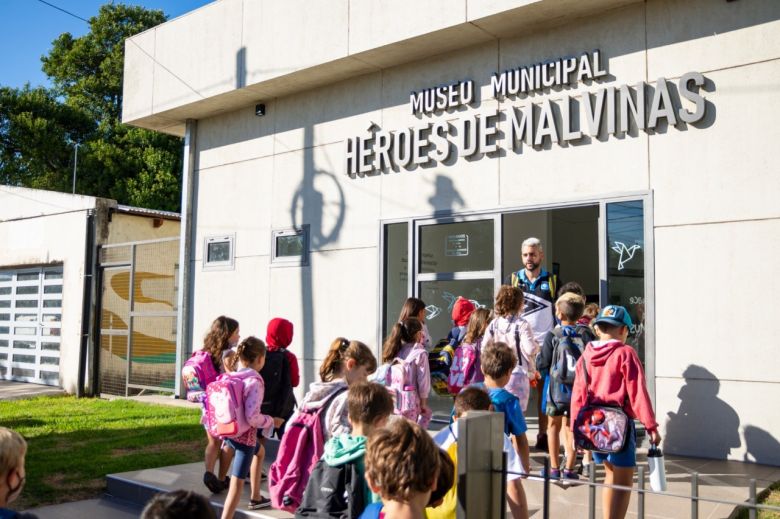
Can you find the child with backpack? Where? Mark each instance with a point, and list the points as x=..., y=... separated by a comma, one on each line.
x=234, y=402
x=201, y=369
x=509, y=327
x=477, y=399
x=402, y=464
x=466, y=368
x=322, y=414
x=280, y=375
x=610, y=373
x=562, y=348
x=337, y=485
x=461, y=313
x=414, y=307
x=406, y=371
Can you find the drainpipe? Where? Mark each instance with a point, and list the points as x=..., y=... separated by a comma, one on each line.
x=184, y=300
x=86, y=314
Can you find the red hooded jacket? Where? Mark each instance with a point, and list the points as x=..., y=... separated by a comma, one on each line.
x=616, y=378
x=461, y=311
x=279, y=335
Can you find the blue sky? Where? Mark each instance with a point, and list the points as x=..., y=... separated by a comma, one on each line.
x=27, y=28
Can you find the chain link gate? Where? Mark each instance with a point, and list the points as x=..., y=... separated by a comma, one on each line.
x=138, y=316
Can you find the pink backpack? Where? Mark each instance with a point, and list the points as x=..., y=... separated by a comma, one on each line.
x=465, y=368
x=225, y=417
x=399, y=377
x=198, y=372
x=301, y=447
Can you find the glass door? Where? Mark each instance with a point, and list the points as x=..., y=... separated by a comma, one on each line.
x=454, y=257
x=627, y=272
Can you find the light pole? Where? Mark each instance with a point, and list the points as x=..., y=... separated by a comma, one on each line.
x=75, y=165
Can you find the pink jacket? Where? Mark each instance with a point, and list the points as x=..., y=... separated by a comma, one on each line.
x=254, y=390
x=616, y=378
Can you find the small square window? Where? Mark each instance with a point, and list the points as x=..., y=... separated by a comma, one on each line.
x=290, y=247
x=219, y=252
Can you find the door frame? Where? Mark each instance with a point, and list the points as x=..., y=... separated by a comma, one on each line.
x=414, y=223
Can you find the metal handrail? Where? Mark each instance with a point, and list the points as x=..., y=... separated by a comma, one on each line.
x=642, y=491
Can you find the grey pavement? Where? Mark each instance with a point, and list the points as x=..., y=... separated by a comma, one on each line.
x=92, y=509
x=19, y=390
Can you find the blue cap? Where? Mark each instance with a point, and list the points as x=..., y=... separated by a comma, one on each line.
x=614, y=315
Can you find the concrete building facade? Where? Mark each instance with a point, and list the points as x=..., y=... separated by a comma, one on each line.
x=368, y=151
x=49, y=247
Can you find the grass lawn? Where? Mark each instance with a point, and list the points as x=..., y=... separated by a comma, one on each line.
x=771, y=496
x=73, y=444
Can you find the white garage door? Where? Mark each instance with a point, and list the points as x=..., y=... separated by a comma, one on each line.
x=30, y=324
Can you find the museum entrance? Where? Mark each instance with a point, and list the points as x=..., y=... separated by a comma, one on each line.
x=600, y=245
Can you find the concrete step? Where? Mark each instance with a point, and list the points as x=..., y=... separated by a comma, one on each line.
x=103, y=508
x=137, y=487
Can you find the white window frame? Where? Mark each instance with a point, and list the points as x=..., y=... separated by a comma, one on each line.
x=230, y=263
x=290, y=261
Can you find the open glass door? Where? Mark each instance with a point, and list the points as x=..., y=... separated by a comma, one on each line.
x=454, y=257
x=625, y=266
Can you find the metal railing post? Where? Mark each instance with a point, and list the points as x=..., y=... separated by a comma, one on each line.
x=752, y=512
x=694, y=495
x=546, y=500
x=592, y=492
x=641, y=494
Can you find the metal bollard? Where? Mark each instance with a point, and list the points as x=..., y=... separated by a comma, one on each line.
x=592, y=492
x=694, y=495
x=641, y=494
x=752, y=512
x=481, y=491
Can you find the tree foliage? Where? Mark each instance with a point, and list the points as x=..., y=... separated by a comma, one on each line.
x=40, y=127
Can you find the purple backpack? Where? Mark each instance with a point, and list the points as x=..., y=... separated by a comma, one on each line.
x=301, y=447
x=198, y=372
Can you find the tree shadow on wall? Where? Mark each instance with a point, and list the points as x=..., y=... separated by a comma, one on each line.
x=704, y=425
x=446, y=198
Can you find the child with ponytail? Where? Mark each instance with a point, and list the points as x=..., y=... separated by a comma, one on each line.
x=219, y=343
x=347, y=362
x=251, y=357
x=414, y=307
x=404, y=346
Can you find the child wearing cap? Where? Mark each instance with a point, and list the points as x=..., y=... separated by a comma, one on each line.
x=616, y=378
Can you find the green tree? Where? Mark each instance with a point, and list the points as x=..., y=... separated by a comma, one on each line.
x=36, y=132
x=132, y=165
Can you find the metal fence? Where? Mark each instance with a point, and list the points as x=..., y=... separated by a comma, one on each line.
x=138, y=316
x=482, y=474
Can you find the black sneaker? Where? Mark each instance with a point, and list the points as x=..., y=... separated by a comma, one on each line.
x=264, y=502
x=541, y=442
x=212, y=483
x=226, y=483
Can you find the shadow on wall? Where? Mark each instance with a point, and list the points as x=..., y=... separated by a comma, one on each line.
x=446, y=197
x=704, y=425
x=761, y=446
x=311, y=205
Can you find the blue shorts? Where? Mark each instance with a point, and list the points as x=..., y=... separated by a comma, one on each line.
x=242, y=461
x=625, y=458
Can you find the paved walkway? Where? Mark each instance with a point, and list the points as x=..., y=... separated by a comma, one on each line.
x=19, y=390
x=156, y=399
x=90, y=509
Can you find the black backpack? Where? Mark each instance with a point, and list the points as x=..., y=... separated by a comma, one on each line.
x=333, y=492
x=278, y=401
